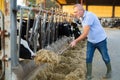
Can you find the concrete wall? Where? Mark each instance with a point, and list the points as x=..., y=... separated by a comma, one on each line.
x=100, y=11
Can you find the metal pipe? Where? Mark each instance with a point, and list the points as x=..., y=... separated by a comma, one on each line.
x=20, y=29
x=44, y=3
x=13, y=33
x=49, y=29
x=28, y=25
x=37, y=10
x=36, y=29
x=25, y=7
x=2, y=34
x=2, y=43
x=12, y=55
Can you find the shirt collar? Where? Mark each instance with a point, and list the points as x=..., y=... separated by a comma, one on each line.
x=84, y=14
x=81, y=18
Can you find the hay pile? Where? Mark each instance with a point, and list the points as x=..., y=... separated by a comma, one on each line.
x=46, y=56
x=70, y=66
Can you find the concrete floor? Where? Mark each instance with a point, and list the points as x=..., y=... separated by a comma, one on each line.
x=99, y=68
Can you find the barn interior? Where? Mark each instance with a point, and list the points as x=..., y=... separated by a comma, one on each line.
x=31, y=20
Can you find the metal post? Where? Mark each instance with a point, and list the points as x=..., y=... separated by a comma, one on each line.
x=13, y=33
x=44, y=4
x=2, y=43
x=2, y=34
x=20, y=29
x=12, y=61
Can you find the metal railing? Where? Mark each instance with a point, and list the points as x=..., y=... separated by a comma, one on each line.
x=45, y=26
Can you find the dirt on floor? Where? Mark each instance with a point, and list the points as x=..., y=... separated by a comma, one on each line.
x=71, y=65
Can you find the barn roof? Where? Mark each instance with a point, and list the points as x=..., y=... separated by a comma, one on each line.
x=91, y=2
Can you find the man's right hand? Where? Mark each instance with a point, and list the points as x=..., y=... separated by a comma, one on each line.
x=73, y=43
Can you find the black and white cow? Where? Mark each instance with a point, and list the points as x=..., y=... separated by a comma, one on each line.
x=69, y=30
x=76, y=31
x=24, y=27
x=64, y=29
x=25, y=51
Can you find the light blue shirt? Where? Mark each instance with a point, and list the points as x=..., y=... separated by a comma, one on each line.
x=96, y=33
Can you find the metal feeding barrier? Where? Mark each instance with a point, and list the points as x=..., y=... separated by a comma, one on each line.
x=44, y=29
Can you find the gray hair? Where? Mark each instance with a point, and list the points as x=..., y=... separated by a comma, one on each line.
x=79, y=6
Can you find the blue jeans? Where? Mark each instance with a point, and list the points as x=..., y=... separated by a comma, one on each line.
x=102, y=48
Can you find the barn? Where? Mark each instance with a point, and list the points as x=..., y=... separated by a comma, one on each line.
x=30, y=27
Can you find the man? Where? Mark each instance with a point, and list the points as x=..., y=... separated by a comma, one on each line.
x=96, y=39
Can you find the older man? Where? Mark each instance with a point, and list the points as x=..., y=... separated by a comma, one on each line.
x=96, y=39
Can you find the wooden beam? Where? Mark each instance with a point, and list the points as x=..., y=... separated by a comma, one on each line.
x=62, y=1
x=86, y=5
x=113, y=9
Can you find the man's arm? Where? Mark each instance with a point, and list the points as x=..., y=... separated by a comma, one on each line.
x=81, y=37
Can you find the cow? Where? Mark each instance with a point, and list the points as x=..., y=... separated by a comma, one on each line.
x=25, y=51
x=76, y=31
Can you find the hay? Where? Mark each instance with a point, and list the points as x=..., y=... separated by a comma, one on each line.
x=46, y=56
x=77, y=74
x=70, y=65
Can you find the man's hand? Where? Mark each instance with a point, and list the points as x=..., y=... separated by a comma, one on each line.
x=73, y=43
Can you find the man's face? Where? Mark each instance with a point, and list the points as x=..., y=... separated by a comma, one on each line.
x=78, y=13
